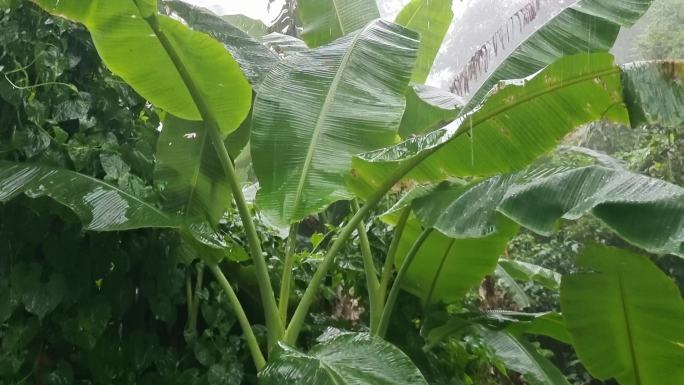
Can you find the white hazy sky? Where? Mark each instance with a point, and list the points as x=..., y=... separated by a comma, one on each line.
x=256, y=9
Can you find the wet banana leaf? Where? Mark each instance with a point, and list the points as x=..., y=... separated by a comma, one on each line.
x=254, y=58
x=189, y=173
x=326, y=20
x=342, y=359
x=428, y=108
x=519, y=355
x=645, y=211
x=431, y=19
x=654, y=92
x=446, y=268
x=131, y=49
x=634, y=310
x=284, y=45
x=100, y=206
x=252, y=27
x=516, y=124
x=318, y=108
x=583, y=27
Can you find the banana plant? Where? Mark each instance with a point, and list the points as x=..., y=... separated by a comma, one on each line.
x=342, y=115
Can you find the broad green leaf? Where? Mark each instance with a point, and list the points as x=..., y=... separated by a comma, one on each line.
x=189, y=173
x=100, y=206
x=431, y=19
x=131, y=49
x=654, y=92
x=284, y=45
x=644, y=211
x=318, y=108
x=523, y=271
x=428, y=108
x=326, y=20
x=583, y=27
x=343, y=359
x=519, y=355
x=254, y=28
x=446, y=268
x=254, y=58
x=625, y=318
x=513, y=127
x=39, y=297
x=391, y=216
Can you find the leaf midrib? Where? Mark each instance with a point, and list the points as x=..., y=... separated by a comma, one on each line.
x=339, y=19
x=524, y=41
x=50, y=170
x=329, y=98
x=195, y=176
x=438, y=273
x=628, y=328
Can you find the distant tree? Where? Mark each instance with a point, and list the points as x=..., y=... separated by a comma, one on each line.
x=663, y=37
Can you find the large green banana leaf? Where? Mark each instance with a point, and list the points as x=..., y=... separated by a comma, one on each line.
x=519, y=355
x=326, y=20
x=428, y=108
x=625, y=318
x=252, y=27
x=130, y=48
x=189, y=173
x=446, y=268
x=654, y=92
x=100, y=206
x=514, y=126
x=585, y=26
x=318, y=108
x=342, y=359
x=645, y=211
x=254, y=58
x=431, y=19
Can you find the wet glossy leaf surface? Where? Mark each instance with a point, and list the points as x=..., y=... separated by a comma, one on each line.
x=431, y=19
x=188, y=171
x=634, y=309
x=326, y=20
x=645, y=211
x=340, y=359
x=130, y=48
x=100, y=206
x=585, y=26
x=254, y=58
x=516, y=124
x=318, y=108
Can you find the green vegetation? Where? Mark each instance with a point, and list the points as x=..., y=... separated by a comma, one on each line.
x=188, y=199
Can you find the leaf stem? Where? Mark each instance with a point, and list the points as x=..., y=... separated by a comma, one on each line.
x=396, y=286
x=300, y=313
x=387, y=268
x=273, y=324
x=250, y=338
x=374, y=299
x=194, y=309
x=286, y=280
